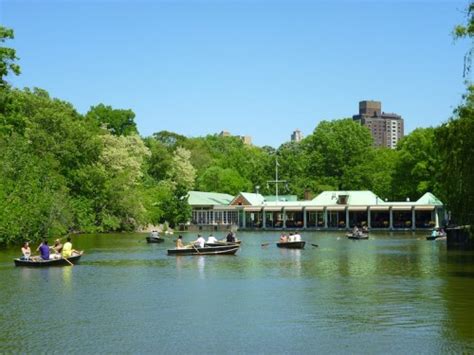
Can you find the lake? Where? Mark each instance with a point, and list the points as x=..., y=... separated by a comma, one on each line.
x=393, y=293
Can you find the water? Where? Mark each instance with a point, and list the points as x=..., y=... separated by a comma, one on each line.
x=391, y=294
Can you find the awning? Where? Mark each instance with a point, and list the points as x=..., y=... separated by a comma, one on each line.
x=315, y=208
x=424, y=208
x=294, y=208
x=252, y=209
x=357, y=208
x=379, y=208
x=336, y=208
x=272, y=209
x=401, y=208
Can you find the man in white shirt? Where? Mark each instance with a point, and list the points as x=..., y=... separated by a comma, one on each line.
x=200, y=241
x=291, y=238
x=297, y=237
x=212, y=239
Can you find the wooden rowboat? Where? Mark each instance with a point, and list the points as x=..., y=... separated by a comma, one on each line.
x=219, y=250
x=221, y=243
x=362, y=236
x=45, y=263
x=154, y=240
x=291, y=245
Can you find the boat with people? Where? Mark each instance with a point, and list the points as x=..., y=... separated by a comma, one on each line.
x=357, y=236
x=291, y=245
x=206, y=250
x=222, y=242
x=154, y=237
x=437, y=234
x=38, y=262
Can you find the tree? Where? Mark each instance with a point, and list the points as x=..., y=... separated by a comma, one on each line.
x=118, y=122
x=181, y=172
x=467, y=30
x=337, y=152
x=7, y=57
x=417, y=165
x=222, y=180
x=455, y=142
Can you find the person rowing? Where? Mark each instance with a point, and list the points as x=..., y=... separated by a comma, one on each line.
x=199, y=242
x=179, y=243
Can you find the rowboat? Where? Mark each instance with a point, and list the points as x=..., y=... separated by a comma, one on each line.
x=358, y=236
x=45, y=263
x=291, y=245
x=221, y=243
x=154, y=240
x=218, y=250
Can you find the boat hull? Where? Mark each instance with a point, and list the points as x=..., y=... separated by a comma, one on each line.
x=220, y=244
x=358, y=237
x=47, y=263
x=219, y=250
x=291, y=245
x=154, y=240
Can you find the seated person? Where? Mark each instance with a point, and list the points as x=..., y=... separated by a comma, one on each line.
x=44, y=250
x=68, y=251
x=211, y=239
x=283, y=238
x=200, y=241
x=230, y=238
x=26, y=251
x=57, y=248
x=154, y=234
x=291, y=238
x=297, y=237
x=179, y=242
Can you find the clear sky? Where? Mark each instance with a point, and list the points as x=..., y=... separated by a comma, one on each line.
x=261, y=68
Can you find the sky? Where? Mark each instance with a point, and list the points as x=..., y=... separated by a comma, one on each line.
x=260, y=68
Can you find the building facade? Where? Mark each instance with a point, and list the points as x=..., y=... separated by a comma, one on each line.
x=330, y=210
x=386, y=128
x=296, y=136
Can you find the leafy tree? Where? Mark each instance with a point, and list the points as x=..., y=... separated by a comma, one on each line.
x=417, y=164
x=467, y=30
x=7, y=57
x=118, y=122
x=337, y=152
x=456, y=149
x=223, y=180
x=181, y=172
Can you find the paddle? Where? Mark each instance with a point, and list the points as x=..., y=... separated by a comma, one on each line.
x=197, y=250
x=315, y=245
x=68, y=261
x=266, y=244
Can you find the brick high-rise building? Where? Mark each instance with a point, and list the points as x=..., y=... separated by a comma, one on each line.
x=386, y=128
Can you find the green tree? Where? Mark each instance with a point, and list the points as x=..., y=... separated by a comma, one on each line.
x=223, y=180
x=455, y=142
x=118, y=122
x=416, y=166
x=7, y=57
x=337, y=152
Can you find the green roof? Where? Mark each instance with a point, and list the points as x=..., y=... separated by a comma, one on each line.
x=200, y=198
x=356, y=198
x=272, y=198
x=429, y=199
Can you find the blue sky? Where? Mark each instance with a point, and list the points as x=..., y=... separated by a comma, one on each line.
x=259, y=68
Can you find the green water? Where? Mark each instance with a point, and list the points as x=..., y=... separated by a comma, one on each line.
x=391, y=294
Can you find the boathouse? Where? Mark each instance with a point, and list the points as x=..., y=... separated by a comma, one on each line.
x=330, y=210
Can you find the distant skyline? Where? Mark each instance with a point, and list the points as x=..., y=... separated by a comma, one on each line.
x=260, y=68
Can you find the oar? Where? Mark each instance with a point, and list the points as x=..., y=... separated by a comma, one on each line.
x=197, y=250
x=266, y=244
x=68, y=261
x=315, y=245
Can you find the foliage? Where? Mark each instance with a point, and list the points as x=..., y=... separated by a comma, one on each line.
x=337, y=152
x=467, y=30
x=7, y=57
x=455, y=142
x=417, y=164
x=118, y=122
